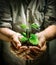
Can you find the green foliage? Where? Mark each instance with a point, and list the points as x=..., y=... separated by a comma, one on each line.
x=34, y=26
x=23, y=26
x=31, y=38
x=24, y=34
x=24, y=39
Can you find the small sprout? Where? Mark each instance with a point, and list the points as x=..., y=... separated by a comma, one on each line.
x=24, y=34
x=24, y=39
x=23, y=26
x=34, y=26
x=28, y=36
x=33, y=39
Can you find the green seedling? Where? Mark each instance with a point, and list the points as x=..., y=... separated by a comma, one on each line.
x=34, y=26
x=33, y=39
x=23, y=26
x=24, y=39
x=24, y=34
x=28, y=36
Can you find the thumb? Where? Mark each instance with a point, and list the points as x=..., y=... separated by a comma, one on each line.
x=16, y=43
x=41, y=42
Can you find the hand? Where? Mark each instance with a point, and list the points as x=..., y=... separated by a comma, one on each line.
x=40, y=48
x=11, y=36
x=28, y=52
x=42, y=41
x=15, y=40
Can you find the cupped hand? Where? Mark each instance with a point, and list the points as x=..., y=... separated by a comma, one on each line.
x=15, y=40
x=42, y=41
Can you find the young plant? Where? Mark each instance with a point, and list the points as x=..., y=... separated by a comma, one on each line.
x=28, y=36
x=34, y=26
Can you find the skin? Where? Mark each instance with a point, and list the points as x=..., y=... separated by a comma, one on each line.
x=45, y=35
x=9, y=35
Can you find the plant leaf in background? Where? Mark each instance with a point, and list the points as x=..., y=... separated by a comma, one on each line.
x=34, y=26
x=33, y=39
x=23, y=26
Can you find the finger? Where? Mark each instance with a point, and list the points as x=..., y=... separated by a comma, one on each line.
x=23, y=47
x=16, y=44
x=19, y=36
x=38, y=35
x=44, y=48
x=41, y=42
x=34, y=48
x=34, y=51
x=28, y=57
x=13, y=43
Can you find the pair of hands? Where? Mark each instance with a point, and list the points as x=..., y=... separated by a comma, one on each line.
x=41, y=46
x=31, y=52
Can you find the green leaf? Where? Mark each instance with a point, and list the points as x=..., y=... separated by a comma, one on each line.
x=24, y=39
x=33, y=39
x=35, y=26
x=23, y=26
x=24, y=34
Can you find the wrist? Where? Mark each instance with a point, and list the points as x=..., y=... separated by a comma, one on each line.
x=43, y=33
